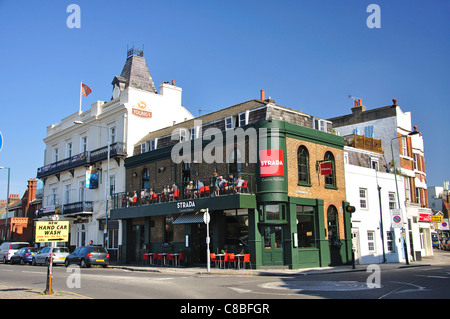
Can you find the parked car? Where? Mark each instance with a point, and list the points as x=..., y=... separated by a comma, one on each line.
x=23, y=255
x=43, y=256
x=87, y=256
x=7, y=249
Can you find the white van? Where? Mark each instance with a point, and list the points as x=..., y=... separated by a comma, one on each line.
x=7, y=249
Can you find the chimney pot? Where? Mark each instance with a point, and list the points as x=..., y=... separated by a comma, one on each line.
x=173, y=82
x=263, y=95
x=395, y=101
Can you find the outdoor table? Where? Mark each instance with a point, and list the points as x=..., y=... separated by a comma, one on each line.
x=150, y=258
x=175, y=256
x=238, y=258
x=220, y=256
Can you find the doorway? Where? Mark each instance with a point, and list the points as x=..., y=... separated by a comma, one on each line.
x=198, y=252
x=273, y=254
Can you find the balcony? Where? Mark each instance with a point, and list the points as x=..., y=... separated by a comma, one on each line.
x=201, y=189
x=86, y=158
x=364, y=143
x=78, y=208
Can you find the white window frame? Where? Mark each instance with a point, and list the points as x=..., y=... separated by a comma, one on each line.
x=69, y=149
x=67, y=189
x=55, y=154
x=153, y=145
x=230, y=122
x=390, y=240
x=83, y=144
x=112, y=185
x=371, y=243
x=144, y=147
x=363, y=200
x=82, y=190
x=392, y=200
x=112, y=134
x=404, y=146
x=243, y=118
x=184, y=135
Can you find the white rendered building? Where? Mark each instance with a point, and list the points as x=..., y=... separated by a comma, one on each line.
x=374, y=194
x=403, y=144
x=79, y=145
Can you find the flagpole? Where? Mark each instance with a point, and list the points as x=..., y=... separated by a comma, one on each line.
x=81, y=90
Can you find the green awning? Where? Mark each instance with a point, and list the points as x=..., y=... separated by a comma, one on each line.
x=189, y=219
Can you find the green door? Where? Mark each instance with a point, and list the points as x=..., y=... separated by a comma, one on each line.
x=273, y=254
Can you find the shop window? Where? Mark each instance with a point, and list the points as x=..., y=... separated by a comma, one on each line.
x=305, y=226
x=272, y=212
x=330, y=180
x=303, y=166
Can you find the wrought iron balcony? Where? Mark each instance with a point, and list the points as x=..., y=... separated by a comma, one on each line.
x=86, y=158
x=78, y=208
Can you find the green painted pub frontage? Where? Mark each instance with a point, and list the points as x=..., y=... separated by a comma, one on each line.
x=286, y=213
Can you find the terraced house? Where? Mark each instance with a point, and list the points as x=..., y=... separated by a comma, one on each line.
x=272, y=178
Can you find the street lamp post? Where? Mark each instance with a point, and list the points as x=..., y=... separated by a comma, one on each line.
x=206, y=219
x=106, y=241
x=7, y=201
x=396, y=187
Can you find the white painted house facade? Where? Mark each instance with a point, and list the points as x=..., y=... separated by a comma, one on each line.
x=375, y=237
x=402, y=144
x=79, y=145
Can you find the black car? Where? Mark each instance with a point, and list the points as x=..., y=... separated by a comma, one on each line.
x=87, y=256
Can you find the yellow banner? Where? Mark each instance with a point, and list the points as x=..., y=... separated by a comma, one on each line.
x=437, y=219
x=52, y=231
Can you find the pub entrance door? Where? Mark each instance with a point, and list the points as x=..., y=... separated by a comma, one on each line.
x=273, y=253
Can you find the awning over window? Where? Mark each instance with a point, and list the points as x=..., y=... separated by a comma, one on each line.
x=189, y=219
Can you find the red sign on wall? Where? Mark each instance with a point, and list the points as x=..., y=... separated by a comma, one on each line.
x=271, y=163
x=326, y=168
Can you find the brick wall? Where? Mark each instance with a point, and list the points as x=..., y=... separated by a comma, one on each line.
x=317, y=189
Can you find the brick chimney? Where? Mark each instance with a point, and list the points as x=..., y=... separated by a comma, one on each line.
x=32, y=187
x=358, y=108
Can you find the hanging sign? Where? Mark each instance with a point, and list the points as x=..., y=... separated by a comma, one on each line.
x=326, y=168
x=91, y=180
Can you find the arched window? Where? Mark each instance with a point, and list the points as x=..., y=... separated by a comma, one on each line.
x=330, y=180
x=145, y=179
x=303, y=165
x=333, y=224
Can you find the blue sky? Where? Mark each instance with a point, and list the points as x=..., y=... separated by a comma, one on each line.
x=308, y=55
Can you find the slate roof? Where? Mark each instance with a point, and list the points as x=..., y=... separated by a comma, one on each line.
x=135, y=73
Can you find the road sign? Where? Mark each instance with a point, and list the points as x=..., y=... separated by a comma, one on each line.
x=437, y=219
x=52, y=231
x=396, y=218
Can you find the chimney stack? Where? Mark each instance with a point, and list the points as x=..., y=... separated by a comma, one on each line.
x=358, y=108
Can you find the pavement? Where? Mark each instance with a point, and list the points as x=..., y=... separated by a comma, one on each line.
x=439, y=258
